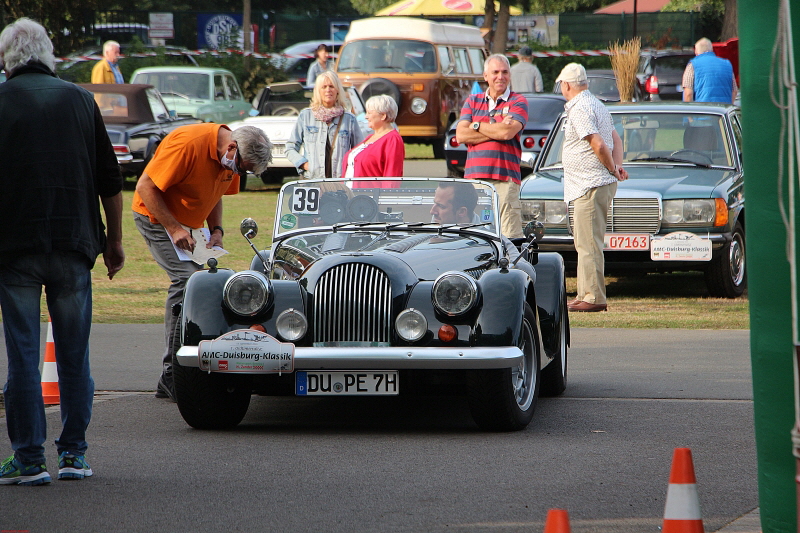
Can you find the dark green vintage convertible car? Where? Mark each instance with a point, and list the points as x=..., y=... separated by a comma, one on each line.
x=373, y=287
x=682, y=207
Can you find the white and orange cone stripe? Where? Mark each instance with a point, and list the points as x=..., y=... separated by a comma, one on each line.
x=682, y=509
x=50, y=392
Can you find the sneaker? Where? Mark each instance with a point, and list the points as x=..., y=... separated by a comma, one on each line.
x=166, y=387
x=72, y=466
x=13, y=472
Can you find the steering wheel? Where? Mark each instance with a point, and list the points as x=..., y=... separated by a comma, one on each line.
x=701, y=154
x=179, y=95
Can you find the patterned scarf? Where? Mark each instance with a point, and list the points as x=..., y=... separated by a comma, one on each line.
x=326, y=114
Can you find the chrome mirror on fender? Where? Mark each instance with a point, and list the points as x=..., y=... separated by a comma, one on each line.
x=534, y=228
x=249, y=228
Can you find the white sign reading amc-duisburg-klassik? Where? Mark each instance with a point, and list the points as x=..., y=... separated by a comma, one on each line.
x=680, y=246
x=247, y=351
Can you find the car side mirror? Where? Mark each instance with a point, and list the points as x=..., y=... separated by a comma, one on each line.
x=527, y=160
x=535, y=229
x=249, y=228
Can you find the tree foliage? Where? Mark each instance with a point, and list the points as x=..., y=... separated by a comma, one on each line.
x=370, y=7
x=63, y=19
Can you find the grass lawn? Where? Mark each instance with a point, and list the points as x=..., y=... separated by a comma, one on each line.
x=137, y=293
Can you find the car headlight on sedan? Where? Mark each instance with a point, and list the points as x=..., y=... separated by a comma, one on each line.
x=548, y=212
x=418, y=105
x=246, y=293
x=454, y=293
x=411, y=325
x=698, y=212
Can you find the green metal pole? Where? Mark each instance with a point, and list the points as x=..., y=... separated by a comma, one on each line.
x=769, y=277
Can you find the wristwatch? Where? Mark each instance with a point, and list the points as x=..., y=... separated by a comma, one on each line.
x=476, y=126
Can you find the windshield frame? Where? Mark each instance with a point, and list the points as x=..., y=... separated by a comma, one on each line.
x=363, y=56
x=548, y=161
x=412, y=192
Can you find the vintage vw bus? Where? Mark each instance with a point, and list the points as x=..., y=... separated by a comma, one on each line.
x=429, y=69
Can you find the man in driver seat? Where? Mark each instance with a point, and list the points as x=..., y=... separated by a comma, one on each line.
x=454, y=203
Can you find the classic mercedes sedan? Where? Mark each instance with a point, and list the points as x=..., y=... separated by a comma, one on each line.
x=681, y=209
x=378, y=286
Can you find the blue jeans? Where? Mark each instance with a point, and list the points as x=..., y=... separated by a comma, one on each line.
x=67, y=281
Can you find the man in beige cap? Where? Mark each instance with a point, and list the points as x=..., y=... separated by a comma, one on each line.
x=592, y=158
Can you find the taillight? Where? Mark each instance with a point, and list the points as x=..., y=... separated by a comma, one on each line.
x=529, y=142
x=121, y=149
x=651, y=85
x=542, y=141
x=453, y=142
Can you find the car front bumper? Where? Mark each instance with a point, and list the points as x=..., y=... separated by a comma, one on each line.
x=565, y=243
x=390, y=358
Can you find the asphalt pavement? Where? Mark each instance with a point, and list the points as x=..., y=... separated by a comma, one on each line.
x=632, y=396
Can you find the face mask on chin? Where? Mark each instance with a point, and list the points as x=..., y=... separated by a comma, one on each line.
x=230, y=164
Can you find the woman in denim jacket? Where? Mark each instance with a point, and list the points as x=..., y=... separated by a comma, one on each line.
x=325, y=131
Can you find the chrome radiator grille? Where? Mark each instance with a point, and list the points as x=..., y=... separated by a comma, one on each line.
x=352, y=307
x=629, y=215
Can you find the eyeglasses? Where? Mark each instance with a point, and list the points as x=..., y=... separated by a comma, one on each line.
x=492, y=113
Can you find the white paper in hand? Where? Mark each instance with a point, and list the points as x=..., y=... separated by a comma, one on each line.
x=201, y=253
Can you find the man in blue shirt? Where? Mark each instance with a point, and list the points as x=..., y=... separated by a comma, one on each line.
x=708, y=78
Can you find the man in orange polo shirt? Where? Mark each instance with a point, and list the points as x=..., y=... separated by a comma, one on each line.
x=182, y=187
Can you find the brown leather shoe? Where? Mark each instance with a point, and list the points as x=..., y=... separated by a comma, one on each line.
x=573, y=302
x=587, y=307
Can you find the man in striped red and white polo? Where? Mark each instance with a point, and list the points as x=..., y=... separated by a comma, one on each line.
x=489, y=125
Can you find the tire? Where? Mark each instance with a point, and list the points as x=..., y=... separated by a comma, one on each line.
x=211, y=401
x=438, y=148
x=377, y=86
x=726, y=276
x=505, y=399
x=554, y=375
x=438, y=143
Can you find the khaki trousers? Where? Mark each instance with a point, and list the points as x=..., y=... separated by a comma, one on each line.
x=510, y=208
x=590, y=215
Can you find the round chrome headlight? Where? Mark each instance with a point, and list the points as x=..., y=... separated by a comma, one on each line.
x=411, y=325
x=292, y=325
x=418, y=105
x=246, y=293
x=454, y=293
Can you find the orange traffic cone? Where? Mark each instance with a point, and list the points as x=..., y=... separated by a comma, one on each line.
x=682, y=510
x=50, y=392
x=557, y=521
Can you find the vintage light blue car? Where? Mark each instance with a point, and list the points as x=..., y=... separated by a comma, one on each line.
x=210, y=94
x=681, y=209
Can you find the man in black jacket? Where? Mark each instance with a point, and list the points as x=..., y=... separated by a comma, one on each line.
x=53, y=234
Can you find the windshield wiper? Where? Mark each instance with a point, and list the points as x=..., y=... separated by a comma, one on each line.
x=349, y=69
x=664, y=159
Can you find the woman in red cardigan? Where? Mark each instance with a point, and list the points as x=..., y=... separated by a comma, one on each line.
x=383, y=152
